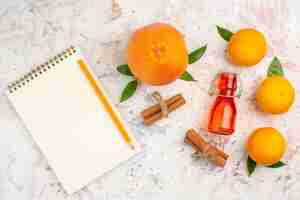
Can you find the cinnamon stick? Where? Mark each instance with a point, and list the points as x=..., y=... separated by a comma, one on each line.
x=156, y=108
x=215, y=155
x=150, y=119
x=193, y=137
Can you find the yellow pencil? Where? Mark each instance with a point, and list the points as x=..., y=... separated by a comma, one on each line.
x=105, y=102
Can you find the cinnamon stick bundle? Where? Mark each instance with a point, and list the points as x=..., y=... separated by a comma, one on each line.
x=215, y=155
x=155, y=112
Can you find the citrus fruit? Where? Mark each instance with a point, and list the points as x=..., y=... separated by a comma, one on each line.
x=157, y=54
x=246, y=47
x=275, y=95
x=266, y=146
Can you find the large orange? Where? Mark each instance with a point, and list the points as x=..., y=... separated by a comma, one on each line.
x=157, y=54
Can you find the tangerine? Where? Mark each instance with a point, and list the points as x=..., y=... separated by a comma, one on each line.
x=247, y=47
x=266, y=146
x=275, y=95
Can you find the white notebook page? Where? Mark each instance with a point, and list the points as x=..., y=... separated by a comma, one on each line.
x=70, y=125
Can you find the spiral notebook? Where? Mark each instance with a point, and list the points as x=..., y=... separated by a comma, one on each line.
x=69, y=116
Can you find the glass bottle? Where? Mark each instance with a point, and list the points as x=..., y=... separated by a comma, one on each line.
x=222, y=117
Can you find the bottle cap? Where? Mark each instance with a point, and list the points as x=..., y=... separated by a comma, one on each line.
x=226, y=84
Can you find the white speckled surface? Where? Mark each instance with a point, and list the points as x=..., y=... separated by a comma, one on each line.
x=33, y=30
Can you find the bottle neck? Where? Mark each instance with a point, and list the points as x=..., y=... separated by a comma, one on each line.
x=225, y=97
x=227, y=93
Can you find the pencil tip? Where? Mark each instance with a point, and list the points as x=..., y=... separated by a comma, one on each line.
x=131, y=145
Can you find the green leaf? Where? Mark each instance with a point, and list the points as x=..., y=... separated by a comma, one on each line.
x=187, y=77
x=275, y=68
x=277, y=165
x=224, y=33
x=124, y=69
x=129, y=90
x=196, y=54
x=251, y=165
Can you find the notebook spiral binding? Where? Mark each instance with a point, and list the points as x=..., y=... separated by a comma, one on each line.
x=40, y=69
